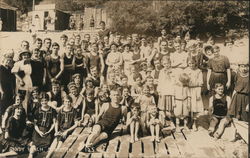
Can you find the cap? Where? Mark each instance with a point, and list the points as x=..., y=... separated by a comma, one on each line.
x=71, y=85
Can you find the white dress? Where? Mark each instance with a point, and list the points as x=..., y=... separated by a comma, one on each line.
x=26, y=68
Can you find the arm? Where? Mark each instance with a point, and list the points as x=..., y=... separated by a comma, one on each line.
x=83, y=109
x=228, y=78
x=52, y=127
x=102, y=63
x=228, y=102
x=129, y=119
x=102, y=111
x=96, y=107
x=211, y=104
x=61, y=68
x=208, y=78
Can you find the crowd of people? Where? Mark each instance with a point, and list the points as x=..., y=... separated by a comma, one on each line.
x=49, y=88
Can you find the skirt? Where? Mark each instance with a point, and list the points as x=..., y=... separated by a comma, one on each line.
x=165, y=103
x=196, y=100
x=238, y=106
x=39, y=141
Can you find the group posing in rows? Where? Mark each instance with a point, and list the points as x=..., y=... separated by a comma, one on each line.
x=49, y=89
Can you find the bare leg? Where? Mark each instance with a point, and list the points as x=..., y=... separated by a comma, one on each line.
x=136, y=130
x=102, y=136
x=94, y=134
x=32, y=151
x=157, y=132
x=178, y=125
x=223, y=123
x=185, y=124
x=52, y=148
x=132, y=132
x=152, y=131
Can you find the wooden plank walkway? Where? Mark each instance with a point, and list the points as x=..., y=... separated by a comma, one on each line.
x=187, y=144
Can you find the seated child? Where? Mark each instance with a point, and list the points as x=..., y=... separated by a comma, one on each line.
x=218, y=103
x=136, y=89
x=90, y=109
x=155, y=121
x=66, y=123
x=133, y=121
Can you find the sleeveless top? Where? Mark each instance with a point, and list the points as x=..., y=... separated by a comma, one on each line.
x=220, y=106
x=94, y=61
x=68, y=61
x=90, y=107
x=57, y=98
x=112, y=117
x=53, y=66
x=79, y=61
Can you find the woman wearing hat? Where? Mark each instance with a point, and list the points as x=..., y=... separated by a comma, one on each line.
x=22, y=70
x=7, y=83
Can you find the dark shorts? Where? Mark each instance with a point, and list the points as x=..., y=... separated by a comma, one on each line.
x=106, y=127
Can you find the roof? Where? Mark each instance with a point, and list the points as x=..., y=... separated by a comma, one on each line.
x=4, y=5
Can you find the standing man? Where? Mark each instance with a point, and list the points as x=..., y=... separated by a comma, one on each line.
x=104, y=31
x=107, y=120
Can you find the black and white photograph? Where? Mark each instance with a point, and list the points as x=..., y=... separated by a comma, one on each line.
x=124, y=79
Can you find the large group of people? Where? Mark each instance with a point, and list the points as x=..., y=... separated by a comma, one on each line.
x=48, y=88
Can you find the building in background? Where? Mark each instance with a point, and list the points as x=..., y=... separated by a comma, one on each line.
x=8, y=17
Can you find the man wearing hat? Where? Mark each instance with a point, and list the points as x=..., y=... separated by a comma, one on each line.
x=7, y=83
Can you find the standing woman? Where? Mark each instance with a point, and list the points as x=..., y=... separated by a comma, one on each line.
x=127, y=57
x=7, y=83
x=218, y=70
x=22, y=70
x=114, y=59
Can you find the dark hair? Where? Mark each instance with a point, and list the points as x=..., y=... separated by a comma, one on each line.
x=135, y=105
x=137, y=75
x=55, y=44
x=47, y=39
x=102, y=22
x=67, y=97
x=44, y=95
x=90, y=91
x=216, y=85
x=124, y=76
x=64, y=36
x=38, y=39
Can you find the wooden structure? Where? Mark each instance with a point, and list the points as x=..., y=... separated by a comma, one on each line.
x=49, y=17
x=173, y=145
x=8, y=16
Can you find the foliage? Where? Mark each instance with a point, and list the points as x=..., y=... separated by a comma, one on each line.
x=22, y=5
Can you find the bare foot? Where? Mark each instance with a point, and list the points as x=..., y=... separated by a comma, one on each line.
x=131, y=140
x=157, y=139
x=152, y=138
x=136, y=138
x=177, y=129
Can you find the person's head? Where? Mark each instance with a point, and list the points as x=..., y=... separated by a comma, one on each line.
x=106, y=39
x=47, y=42
x=18, y=99
x=90, y=93
x=78, y=51
x=55, y=87
x=69, y=49
x=157, y=64
x=105, y=87
x=94, y=47
x=149, y=80
x=219, y=88
x=216, y=51
x=118, y=37
x=77, y=38
x=115, y=95
x=144, y=66
x=89, y=83
x=113, y=47
x=177, y=46
x=163, y=32
x=36, y=54
x=135, y=37
x=93, y=71
x=164, y=46
x=137, y=78
x=209, y=50
x=211, y=41
x=44, y=98
x=135, y=108
x=102, y=24
x=25, y=55
x=129, y=39
x=166, y=62
x=244, y=66
x=143, y=41
x=8, y=58
x=67, y=101
x=153, y=110
x=228, y=43
x=18, y=111
x=25, y=45
x=55, y=47
x=146, y=89
x=103, y=96
x=183, y=44
x=87, y=37
x=127, y=47
x=124, y=79
x=64, y=39
x=38, y=43
x=192, y=63
x=35, y=93
x=72, y=88
x=170, y=43
x=76, y=78
x=71, y=41
x=136, y=48
x=150, y=68
x=125, y=91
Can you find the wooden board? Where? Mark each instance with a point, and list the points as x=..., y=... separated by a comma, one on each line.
x=161, y=150
x=148, y=147
x=184, y=146
x=172, y=148
x=78, y=144
x=136, y=150
x=124, y=147
x=96, y=155
x=242, y=129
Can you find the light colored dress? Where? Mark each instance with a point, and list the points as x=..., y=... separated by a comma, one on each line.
x=127, y=57
x=195, y=84
x=26, y=68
